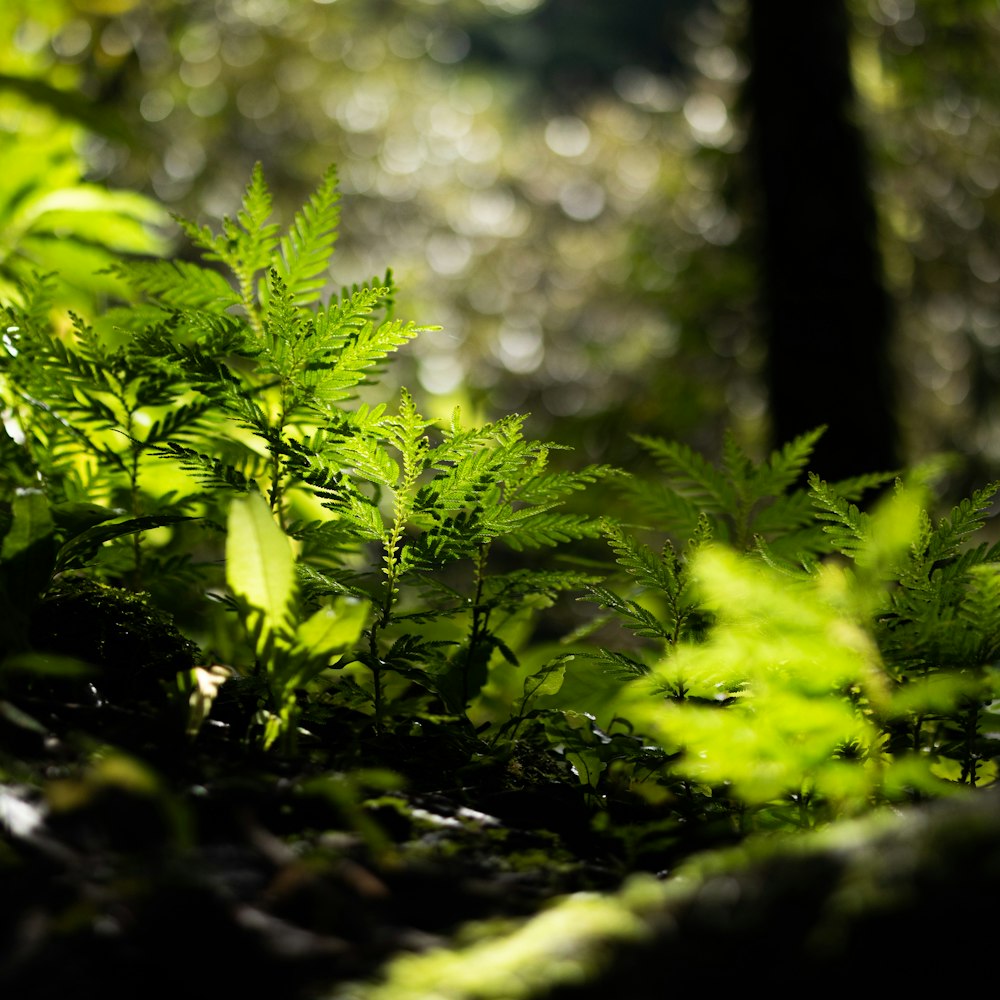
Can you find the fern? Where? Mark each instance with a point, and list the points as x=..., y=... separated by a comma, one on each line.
x=756, y=507
x=245, y=246
x=691, y=477
x=425, y=497
x=234, y=379
x=178, y=285
x=847, y=527
x=743, y=500
x=211, y=471
x=785, y=465
x=306, y=249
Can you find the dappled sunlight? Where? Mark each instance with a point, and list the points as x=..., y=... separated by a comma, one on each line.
x=421, y=115
x=500, y=204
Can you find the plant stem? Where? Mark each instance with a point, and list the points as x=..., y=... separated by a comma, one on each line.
x=480, y=618
x=969, y=762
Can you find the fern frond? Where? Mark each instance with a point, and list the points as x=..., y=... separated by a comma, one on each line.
x=648, y=570
x=38, y=292
x=738, y=468
x=306, y=249
x=339, y=581
x=964, y=520
x=554, y=486
x=407, y=433
x=184, y=419
x=803, y=569
x=257, y=241
x=349, y=315
x=447, y=539
x=980, y=612
x=846, y=525
x=282, y=326
x=618, y=664
x=660, y=507
x=692, y=476
x=785, y=465
x=178, y=284
x=337, y=493
x=360, y=456
x=634, y=616
x=359, y=359
x=224, y=388
x=510, y=589
x=854, y=487
x=246, y=246
x=468, y=482
x=784, y=513
x=534, y=528
x=459, y=441
x=212, y=471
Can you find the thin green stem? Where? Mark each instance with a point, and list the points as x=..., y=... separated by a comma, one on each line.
x=135, y=506
x=375, y=665
x=480, y=617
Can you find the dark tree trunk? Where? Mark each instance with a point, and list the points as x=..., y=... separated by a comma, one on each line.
x=827, y=312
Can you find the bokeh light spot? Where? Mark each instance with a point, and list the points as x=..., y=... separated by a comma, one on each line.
x=519, y=345
x=72, y=41
x=567, y=135
x=156, y=105
x=451, y=45
x=582, y=200
x=645, y=89
x=708, y=118
x=448, y=254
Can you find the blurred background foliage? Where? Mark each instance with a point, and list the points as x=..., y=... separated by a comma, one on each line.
x=562, y=184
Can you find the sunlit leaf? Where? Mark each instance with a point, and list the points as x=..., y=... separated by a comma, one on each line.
x=260, y=567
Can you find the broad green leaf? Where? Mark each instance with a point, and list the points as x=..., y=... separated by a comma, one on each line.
x=260, y=567
x=32, y=522
x=546, y=681
x=27, y=558
x=333, y=628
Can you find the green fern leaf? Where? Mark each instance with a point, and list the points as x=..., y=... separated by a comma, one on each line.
x=354, y=311
x=846, y=525
x=640, y=563
x=785, y=465
x=178, y=284
x=691, y=475
x=306, y=249
x=661, y=508
x=535, y=528
x=618, y=664
x=965, y=520
x=210, y=470
x=511, y=589
x=635, y=617
x=359, y=360
x=257, y=242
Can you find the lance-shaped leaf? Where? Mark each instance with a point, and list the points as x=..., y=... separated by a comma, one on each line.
x=260, y=567
x=334, y=628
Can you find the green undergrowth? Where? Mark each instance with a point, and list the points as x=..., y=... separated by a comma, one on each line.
x=226, y=547
x=794, y=656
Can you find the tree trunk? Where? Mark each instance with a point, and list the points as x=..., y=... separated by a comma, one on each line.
x=827, y=311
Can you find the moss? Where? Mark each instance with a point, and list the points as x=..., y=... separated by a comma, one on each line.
x=566, y=944
x=134, y=644
x=890, y=893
